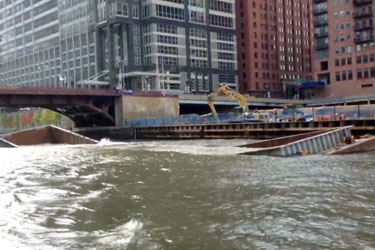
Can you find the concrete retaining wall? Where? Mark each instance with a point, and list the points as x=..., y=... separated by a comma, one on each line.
x=142, y=107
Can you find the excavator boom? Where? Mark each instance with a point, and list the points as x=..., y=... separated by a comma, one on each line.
x=225, y=90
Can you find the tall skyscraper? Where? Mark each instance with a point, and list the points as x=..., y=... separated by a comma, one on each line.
x=344, y=37
x=170, y=45
x=274, y=39
x=29, y=42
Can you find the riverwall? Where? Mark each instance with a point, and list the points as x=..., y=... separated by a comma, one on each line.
x=227, y=131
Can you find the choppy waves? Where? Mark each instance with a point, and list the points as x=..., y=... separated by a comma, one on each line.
x=183, y=195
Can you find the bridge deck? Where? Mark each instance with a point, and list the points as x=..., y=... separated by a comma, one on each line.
x=58, y=92
x=84, y=106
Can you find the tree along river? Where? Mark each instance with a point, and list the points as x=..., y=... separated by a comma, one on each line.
x=183, y=195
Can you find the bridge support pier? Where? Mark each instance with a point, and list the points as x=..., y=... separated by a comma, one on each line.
x=119, y=112
x=139, y=107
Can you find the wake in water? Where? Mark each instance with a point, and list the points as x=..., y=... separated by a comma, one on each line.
x=198, y=149
x=193, y=147
x=108, y=142
x=104, y=142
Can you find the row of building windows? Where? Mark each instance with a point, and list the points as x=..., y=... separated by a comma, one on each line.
x=221, y=6
x=268, y=86
x=365, y=58
x=170, y=12
x=361, y=74
x=343, y=61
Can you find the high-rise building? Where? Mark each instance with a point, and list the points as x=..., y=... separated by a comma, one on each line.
x=29, y=42
x=170, y=45
x=274, y=41
x=181, y=45
x=344, y=38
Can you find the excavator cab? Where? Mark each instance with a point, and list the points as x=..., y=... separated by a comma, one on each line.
x=239, y=110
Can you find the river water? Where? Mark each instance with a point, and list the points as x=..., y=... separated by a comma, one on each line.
x=183, y=195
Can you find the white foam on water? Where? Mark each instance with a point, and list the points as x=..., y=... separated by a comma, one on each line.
x=199, y=149
x=104, y=142
x=108, y=142
x=120, y=236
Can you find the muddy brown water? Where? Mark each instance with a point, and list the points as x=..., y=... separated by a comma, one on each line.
x=183, y=195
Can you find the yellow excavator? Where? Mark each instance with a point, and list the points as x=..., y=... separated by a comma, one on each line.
x=225, y=90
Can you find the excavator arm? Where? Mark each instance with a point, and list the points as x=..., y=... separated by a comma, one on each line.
x=211, y=99
x=225, y=90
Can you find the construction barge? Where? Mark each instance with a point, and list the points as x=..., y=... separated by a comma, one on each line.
x=324, y=140
x=256, y=130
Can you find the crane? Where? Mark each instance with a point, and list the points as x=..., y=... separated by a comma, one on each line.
x=225, y=90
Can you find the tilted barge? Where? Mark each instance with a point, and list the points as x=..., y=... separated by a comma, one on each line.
x=304, y=144
x=43, y=135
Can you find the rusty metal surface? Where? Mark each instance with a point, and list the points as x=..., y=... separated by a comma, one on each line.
x=363, y=145
x=6, y=144
x=29, y=137
x=62, y=136
x=282, y=141
x=251, y=130
x=313, y=144
x=46, y=135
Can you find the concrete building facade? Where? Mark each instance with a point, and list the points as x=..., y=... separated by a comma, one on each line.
x=274, y=41
x=168, y=45
x=344, y=38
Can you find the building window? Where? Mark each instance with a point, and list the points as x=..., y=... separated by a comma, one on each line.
x=135, y=11
x=359, y=59
x=365, y=73
x=122, y=9
x=365, y=59
x=343, y=76
x=359, y=74
x=350, y=75
x=372, y=70
x=338, y=76
x=170, y=12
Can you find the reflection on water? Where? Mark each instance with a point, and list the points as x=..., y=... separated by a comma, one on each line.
x=183, y=195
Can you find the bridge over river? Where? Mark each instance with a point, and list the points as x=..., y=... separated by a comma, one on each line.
x=85, y=107
x=97, y=108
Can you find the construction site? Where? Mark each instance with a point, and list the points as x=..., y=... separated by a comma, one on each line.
x=314, y=128
x=227, y=114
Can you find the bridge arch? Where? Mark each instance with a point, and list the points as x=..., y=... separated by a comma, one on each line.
x=86, y=108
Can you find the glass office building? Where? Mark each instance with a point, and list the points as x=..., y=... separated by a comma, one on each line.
x=29, y=42
x=167, y=45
